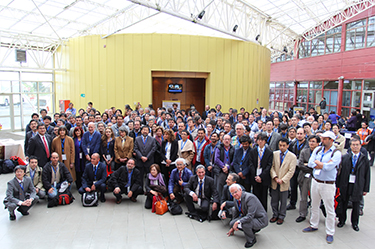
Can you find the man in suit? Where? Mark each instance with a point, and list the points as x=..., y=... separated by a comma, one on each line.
x=94, y=177
x=40, y=145
x=54, y=174
x=179, y=178
x=272, y=137
x=305, y=175
x=248, y=215
x=227, y=200
x=263, y=116
x=35, y=173
x=200, y=190
x=79, y=123
x=353, y=182
x=91, y=142
x=241, y=159
x=20, y=193
x=144, y=148
x=283, y=167
x=126, y=180
x=33, y=126
x=261, y=158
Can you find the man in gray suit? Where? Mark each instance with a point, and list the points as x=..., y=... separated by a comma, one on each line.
x=20, y=193
x=248, y=215
x=272, y=136
x=144, y=149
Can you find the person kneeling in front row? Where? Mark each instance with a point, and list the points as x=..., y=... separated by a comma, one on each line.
x=249, y=214
x=94, y=177
x=126, y=180
x=20, y=193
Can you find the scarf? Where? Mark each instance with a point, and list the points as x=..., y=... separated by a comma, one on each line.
x=158, y=178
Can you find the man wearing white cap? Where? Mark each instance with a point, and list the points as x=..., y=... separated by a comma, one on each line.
x=324, y=160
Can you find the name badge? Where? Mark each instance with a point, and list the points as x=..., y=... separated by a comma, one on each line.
x=307, y=175
x=352, y=178
x=128, y=189
x=88, y=150
x=239, y=226
x=54, y=184
x=108, y=157
x=80, y=155
x=226, y=165
x=199, y=201
x=317, y=172
x=259, y=171
x=63, y=157
x=94, y=182
x=361, y=141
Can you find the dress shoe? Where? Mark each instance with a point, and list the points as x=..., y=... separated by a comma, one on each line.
x=291, y=207
x=273, y=219
x=361, y=212
x=280, y=222
x=300, y=219
x=251, y=243
x=102, y=199
x=12, y=216
x=133, y=199
x=118, y=201
x=22, y=212
x=355, y=228
x=340, y=224
x=256, y=231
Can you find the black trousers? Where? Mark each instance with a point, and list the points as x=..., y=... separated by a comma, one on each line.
x=205, y=205
x=166, y=171
x=124, y=190
x=79, y=179
x=261, y=192
x=294, y=187
x=101, y=189
x=355, y=208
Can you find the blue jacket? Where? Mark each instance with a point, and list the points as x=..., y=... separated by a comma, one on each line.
x=88, y=176
x=173, y=180
x=245, y=166
x=94, y=144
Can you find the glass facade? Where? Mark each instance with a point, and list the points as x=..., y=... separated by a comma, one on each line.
x=360, y=34
x=310, y=93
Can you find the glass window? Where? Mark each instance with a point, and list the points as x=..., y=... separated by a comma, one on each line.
x=16, y=87
x=36, y=77
x=355, y=35
x=29, y=87
x=356, y=100
x=45, y=87
x=315, y=85
x=345, y=112
x=346, y=98
x=333, y=99
x=369, y=85
x=304, y=49
x=289, y=84
x=331, y=84
x=317, y=45
x=371, y=32
x=5, y=87
x=303, y=85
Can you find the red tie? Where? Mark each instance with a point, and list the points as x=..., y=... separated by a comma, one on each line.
x=179, y=175
x=46, y=147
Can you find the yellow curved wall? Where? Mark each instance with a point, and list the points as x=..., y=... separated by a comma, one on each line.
x=117, y=70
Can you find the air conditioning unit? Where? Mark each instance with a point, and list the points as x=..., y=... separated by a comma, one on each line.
x=20, y=55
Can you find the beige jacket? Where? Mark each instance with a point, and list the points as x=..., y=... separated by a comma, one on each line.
x=285, y=172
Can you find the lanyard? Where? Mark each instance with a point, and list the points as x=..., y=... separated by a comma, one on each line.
x=260, y=157
x=96, y=169
x=53, y=168
x=226, y=154
x=213, y=150
x=243, y=156
x=283, y=135
x=183, y=144
x=299, y=147
x=239, y=206
x=282, y=159
x=90, y=136
x=62, y=145
x=200, y=144
x=354, y=161
x=33, y=134
x=166, y=147
x=21, y=186
x=323, y=154
x=269, y=138
x=32, y=174
x=108, y=146
x=144, y=141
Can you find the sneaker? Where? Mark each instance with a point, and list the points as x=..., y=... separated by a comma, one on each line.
x=291, y=207
x=309, y=229
x=329, y=239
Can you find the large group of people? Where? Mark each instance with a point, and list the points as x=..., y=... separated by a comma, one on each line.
x=222, y=165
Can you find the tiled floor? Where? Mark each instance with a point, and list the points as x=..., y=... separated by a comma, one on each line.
x=129, y=225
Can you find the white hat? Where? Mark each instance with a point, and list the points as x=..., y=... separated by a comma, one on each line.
x=329, y=134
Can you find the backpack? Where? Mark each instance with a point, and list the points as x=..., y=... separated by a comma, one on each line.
x=90, y=199
x=174, y=208
x=65, y=198
x=8, y=166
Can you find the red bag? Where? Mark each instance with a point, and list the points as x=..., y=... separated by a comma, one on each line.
x=17, y=159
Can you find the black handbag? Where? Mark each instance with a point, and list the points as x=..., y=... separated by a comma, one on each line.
x=174, y=208
x=90, y=199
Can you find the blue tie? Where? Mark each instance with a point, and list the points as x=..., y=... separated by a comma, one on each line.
x=354, y=161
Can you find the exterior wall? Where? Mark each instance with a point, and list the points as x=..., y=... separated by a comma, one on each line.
x=118, y=70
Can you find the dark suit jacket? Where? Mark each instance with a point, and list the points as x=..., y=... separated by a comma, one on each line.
x=36, y=148
x=15, y=194
x=147, y=150
x=174, y=150
x=251, y=208
x=120, y=178
x=209, y=188
x=29, y=135
x=94, y=144
x=245, y=166
x=47, y=175
x=88, y=176
x=265, y=164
